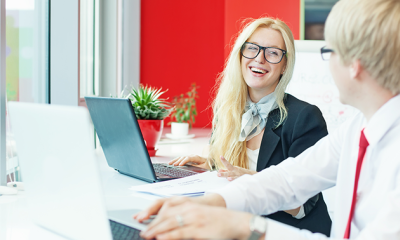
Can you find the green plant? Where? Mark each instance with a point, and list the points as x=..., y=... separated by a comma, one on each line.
x=147, y=103
x=185, y=107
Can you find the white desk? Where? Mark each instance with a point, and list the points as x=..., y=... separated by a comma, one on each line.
x=15, y=222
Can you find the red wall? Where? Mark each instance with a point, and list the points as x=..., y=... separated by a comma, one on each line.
x=184, y=42
x=238, y=10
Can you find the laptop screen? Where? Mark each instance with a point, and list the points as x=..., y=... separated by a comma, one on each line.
x=120, y=136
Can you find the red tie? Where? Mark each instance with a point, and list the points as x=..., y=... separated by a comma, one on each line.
x=361, y=152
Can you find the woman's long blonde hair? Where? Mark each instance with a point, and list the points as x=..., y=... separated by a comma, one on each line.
x=230, y=101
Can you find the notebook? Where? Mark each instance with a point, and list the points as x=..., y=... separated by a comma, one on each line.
x=123, y=145
x=60, y=173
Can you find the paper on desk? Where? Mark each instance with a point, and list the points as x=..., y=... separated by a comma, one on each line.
x=190, y=186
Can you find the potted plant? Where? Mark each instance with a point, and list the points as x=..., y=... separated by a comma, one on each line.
x=150, y=110
x=184, y=112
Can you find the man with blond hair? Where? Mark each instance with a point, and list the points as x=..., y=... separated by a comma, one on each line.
x=361, y=158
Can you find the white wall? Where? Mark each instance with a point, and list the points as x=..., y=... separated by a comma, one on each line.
x=64, y=52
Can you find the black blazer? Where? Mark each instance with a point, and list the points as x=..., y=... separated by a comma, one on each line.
x=302, y=128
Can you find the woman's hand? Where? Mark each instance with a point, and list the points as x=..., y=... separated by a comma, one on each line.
x=232, y=172
x=196, y=159
x=196, y=221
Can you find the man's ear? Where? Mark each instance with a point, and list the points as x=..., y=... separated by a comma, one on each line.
x=355, y=69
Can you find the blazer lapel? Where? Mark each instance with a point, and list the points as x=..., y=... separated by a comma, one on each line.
x=269, y=141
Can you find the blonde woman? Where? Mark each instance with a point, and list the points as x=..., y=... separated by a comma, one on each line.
x=256, y=124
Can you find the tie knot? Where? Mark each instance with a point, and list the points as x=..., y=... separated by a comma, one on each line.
x=254, y=108
x=363, y=141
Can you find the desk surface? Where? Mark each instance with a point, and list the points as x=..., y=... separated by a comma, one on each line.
x=15, y=222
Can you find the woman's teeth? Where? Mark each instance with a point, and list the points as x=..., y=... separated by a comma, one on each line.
x=257, y=70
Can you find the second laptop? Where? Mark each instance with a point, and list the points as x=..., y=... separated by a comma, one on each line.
x=122, y=142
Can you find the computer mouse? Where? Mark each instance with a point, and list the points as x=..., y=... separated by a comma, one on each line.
x=7, y=190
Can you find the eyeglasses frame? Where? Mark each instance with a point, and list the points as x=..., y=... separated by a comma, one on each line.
x=325, y=50
x=262, y=48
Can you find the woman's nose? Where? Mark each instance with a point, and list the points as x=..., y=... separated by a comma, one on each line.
x=260, y=58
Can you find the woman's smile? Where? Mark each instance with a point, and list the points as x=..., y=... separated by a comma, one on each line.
x=258, y=71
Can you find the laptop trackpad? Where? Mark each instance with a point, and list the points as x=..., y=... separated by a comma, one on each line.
x=125, y=217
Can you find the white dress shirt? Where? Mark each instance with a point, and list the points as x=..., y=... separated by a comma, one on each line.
x=332, y=162
x=252, y=155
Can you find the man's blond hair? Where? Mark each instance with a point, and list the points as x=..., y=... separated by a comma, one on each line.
x=368, y=30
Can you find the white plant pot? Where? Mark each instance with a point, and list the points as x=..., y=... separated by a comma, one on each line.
x=179, y=129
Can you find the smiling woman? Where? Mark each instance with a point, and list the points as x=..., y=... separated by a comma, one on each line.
x=256, y=124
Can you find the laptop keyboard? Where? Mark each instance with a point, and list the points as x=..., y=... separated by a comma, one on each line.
x=171, y=171
x=122, y=232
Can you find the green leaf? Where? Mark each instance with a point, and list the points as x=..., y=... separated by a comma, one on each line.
x=148, y=104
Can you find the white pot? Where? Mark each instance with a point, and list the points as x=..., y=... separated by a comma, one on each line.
x=179, y=129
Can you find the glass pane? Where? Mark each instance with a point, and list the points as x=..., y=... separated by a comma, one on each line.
x=316, y=12
x=26, y=63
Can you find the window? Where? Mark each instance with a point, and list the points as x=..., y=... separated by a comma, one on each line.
x=78, y=52
x=27, y=57
x=315, y=14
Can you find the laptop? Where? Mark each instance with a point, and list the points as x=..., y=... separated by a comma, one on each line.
x=123, y=145
x=60, y=173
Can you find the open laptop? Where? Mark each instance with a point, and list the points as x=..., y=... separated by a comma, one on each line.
x=61, y=176
x=124, y=148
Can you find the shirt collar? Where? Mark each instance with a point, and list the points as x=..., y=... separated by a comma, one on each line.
x=382, y=120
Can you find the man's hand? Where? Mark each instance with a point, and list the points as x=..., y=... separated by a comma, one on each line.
x=159, y=205
x=232, y=172
x=191, y=220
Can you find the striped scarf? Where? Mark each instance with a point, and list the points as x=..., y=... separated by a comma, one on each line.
x=255, y=116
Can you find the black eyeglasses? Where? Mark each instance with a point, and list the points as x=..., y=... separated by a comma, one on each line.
x=326, y=53
x=271, y=54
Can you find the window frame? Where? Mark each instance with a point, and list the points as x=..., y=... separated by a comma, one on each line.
x=3, y=177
